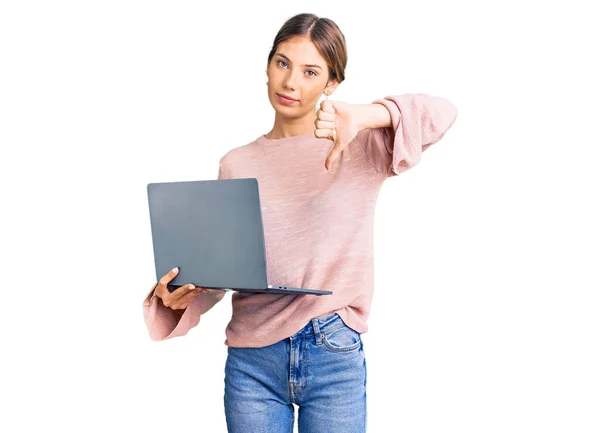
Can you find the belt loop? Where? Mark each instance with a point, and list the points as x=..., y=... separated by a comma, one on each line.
x=318, y=335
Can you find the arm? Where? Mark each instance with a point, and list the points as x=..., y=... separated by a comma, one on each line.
x=394, y=141
x=372, y=116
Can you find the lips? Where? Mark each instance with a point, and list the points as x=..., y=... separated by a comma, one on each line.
x=289, y=98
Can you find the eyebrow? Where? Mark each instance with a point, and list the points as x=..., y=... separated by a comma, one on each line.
x=286, y=58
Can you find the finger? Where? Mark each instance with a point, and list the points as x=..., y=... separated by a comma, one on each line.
x=320, y=124
x=323, y=115
x=166, y=279
x=324, y=133
x=327, y=106
x=171, y=299
x=187, y=298
x=182, y=291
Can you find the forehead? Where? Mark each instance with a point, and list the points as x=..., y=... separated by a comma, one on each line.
x=301, y=50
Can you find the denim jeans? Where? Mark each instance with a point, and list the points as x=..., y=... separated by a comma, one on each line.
x=321, y=369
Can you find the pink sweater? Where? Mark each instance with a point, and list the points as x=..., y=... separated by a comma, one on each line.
x=318, y=224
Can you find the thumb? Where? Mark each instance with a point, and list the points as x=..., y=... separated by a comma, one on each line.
x=333, y=156
x=327, y=106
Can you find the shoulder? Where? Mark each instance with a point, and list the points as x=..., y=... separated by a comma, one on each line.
x=237, y=152
x=238, y=155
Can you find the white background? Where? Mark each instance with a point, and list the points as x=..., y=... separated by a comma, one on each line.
x=485, y=315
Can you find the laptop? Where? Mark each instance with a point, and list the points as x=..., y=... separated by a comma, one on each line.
x=213, y=231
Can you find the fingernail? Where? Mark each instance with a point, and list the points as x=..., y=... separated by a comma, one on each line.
x=175, y=269
x=191, y=287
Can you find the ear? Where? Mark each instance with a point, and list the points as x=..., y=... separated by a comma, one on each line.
x=332, y=85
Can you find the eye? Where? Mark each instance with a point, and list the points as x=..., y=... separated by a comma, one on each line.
x=281, y=62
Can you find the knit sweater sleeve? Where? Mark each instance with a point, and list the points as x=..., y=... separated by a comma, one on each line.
x=418, y=121
x=163, y=322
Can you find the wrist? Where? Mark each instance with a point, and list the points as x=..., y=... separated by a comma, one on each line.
x=372, y=116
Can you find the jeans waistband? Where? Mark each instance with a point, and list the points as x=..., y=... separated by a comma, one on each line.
x=321, y=325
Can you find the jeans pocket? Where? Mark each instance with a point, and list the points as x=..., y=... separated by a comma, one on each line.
x=343, y=339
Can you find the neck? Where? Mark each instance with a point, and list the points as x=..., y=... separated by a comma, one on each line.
x=285, y=127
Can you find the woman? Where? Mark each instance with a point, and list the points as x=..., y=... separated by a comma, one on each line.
x=319, y=175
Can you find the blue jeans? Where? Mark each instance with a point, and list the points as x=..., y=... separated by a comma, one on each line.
x=321, y=369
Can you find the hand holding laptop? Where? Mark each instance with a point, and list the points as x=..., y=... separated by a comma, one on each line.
x=180, y=298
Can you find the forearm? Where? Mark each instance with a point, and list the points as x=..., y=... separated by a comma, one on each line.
x=372, y=116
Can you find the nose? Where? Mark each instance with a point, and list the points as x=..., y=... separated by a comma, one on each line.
x=289, y=80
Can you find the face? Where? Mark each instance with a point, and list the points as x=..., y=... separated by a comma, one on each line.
x=297, y=71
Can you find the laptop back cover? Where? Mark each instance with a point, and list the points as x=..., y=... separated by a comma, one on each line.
x=211, y=229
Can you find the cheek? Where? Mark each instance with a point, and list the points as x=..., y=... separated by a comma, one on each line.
x=314, y=94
